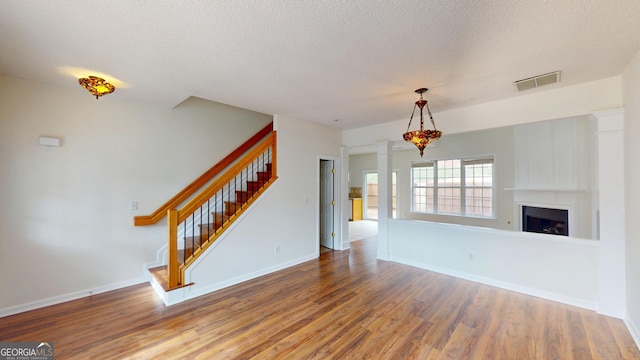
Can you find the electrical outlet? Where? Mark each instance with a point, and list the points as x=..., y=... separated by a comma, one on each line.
x=470, y=257
x=133, y=205
x=277, y=249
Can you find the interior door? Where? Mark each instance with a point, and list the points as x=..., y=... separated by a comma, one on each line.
x=327, y=203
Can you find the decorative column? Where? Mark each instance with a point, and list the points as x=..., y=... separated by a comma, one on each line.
x=384, y=197
x=612, y=288
x=344, y=199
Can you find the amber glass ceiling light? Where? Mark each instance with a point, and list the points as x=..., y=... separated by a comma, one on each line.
x=421, y=138
x=96, y=86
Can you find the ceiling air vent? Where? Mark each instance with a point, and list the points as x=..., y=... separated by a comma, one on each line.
x=534, y=82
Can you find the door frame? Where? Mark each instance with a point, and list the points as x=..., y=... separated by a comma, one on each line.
x=327, y=203
x=337, y=209
x=365, y=193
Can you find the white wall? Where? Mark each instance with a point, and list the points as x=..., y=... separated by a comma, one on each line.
x=358, y=164
x=631, y=89
x=285, y=216
x=552, y=267
x=65, y=226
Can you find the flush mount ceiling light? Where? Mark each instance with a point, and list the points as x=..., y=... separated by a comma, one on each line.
x=421, y=138
x=96, y=86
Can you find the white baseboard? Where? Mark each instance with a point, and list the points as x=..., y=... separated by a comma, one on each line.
x=186, y=293
x=246, y=277
x=68, y=297
x=502, y=284
x=634, y=329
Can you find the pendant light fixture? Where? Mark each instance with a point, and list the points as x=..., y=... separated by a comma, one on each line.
x=421, y=138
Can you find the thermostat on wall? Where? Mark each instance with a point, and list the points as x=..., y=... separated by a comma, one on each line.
x=48, y=141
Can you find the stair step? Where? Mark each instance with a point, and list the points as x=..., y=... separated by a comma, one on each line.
x=255, y=185
x=220, y=217
x=181, y=256
x=243, y=196
x=206, y=230
x=264, y=175
x=195, y=240
x=269, y=167
x=184, y=254
x=191, y=243
x=161, y=275
x=217, y=219
x=231, y=207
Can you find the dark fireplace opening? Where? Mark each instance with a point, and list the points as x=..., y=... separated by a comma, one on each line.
x=545, y=220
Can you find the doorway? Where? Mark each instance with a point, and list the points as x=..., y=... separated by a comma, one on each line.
x=327, y=204
x=371, y=195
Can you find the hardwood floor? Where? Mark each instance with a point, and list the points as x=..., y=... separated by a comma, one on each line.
x=344, y=305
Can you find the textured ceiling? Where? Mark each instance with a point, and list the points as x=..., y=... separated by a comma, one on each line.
x=353, y=61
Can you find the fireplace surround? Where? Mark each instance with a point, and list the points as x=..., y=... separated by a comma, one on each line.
x=545, y=220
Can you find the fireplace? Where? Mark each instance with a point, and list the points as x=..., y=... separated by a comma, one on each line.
x=545, y=220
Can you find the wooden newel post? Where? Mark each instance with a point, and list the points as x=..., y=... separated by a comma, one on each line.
x=172, y=216
x=274, y=155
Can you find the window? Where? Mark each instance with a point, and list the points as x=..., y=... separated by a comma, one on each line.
x=478, y=183
x=455, y=186
x=422, y=176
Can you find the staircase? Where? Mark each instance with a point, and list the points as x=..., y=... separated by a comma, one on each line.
x=237, y=182
x=221, y=219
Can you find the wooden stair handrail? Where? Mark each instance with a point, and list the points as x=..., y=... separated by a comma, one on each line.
x=225, y=178
x=202, y=180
